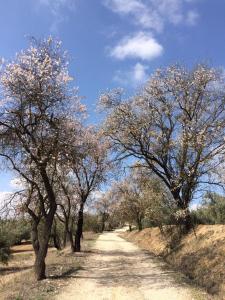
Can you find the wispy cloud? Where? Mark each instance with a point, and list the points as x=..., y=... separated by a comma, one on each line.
x=192, y=18
x=134, y=77
x=154, y=14
x=140, y=46
x=150, y=18
x=58, y=9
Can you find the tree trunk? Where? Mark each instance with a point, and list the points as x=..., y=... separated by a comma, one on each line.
x=56, y=241
x=139, y=223
x=79, y=229
x=55, y=236
x=65, y=238
x=39, y=265
x=103, y=223
x=72, y=246
x=186, y=220
x=40, y=245
x=188, y=225
x=130, y=228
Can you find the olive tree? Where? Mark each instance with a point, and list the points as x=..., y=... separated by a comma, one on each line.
x=175, y=126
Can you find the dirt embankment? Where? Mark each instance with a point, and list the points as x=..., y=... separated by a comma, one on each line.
x=200, y=255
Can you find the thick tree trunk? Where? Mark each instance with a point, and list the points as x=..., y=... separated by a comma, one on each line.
x=79, y=230
x=39, y=265
x=40, y=245
x=130, y=228
x=186, y=220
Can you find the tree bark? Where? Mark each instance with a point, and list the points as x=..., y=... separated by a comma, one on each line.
x=65, y=238
x=79, y=230
x=186, y=221
x=39, y=265
x=72, y=246
x=139, y=223
x=40, y=245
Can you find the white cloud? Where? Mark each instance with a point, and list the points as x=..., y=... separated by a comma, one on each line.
x=134, y=77
x=141, y=46
x=153, y=14
x=142, y=15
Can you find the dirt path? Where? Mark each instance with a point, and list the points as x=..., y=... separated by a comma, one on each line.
x=119, y=270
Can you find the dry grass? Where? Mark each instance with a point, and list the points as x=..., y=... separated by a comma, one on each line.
x=200, y=257
x=18, y=283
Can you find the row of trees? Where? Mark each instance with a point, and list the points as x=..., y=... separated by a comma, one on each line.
x=43, y=139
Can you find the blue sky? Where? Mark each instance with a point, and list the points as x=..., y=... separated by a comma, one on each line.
x=117, y=42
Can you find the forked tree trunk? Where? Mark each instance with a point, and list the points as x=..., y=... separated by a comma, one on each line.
x=40, y=250
x=40, y=242
x=79, y=230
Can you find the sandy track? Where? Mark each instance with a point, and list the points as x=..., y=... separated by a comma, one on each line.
x=118, y=270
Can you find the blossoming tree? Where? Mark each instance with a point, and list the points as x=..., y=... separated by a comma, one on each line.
x=35, y=102
x=175, y=126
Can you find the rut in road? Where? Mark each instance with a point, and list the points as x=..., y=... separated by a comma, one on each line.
x=119, y=270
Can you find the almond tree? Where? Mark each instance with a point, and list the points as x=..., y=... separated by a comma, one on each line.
x=175, y=126
x=89, y=171
x=36, y=102
x=104, y=206
x=67, y=205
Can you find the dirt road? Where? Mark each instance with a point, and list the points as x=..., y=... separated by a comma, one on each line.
x=118, y=270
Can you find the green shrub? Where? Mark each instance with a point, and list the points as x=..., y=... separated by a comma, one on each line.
x=4, y=246
x=212, y=210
